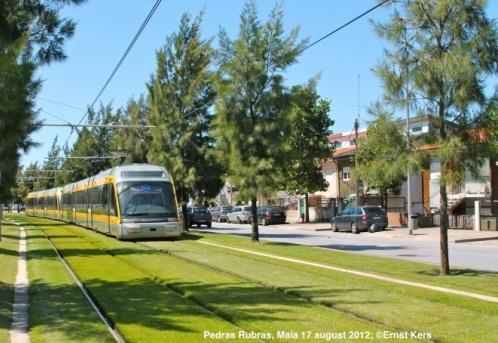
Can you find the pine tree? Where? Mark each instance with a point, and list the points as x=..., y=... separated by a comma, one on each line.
x=39, y=25
x=53, y=162
x=17, y=118
x=253, y=120
x=382, y=156
x=443, y=49
x=32, y=33
x=133, y=143
x=181, y=93
x=94, y=142
x=309, y=142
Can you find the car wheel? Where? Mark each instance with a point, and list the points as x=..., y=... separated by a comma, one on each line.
x=209, y=225
x=371, y=228
x=198, y=225
x=334, y=227
x=239, y=221
x=354, y=228
x=384, y=228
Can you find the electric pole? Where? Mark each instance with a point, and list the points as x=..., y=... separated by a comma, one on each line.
x=356, y=125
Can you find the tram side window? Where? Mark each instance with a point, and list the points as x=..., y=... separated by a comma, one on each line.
x=112, y=201
x=50, y=202
x=103, y=193
x=96, y=198
x=80, y=201
x=66, y=201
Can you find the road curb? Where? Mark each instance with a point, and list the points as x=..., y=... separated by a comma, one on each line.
x=466, y=240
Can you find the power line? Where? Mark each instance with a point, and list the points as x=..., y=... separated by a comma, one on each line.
x=110, y=126
x=54, y=116
x=307, y=47
x=62, y=104
x=49, y=170
x=346, y=24
x=123, y=57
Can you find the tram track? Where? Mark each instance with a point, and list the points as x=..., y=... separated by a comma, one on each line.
x=206, y=307
x=154, y=278
x=282, y=290
x=110, y=326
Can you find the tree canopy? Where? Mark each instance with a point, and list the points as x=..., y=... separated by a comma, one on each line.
x=443, y=51
x=181, y=93
x=309, y=142
x=252, y=110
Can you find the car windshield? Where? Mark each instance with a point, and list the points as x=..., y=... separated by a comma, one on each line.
x=246, y=208
x=373, y=210
x=199, y=210
x=146, y=199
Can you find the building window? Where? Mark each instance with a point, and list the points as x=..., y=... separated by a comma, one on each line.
x=417, y=129
x=345, y=173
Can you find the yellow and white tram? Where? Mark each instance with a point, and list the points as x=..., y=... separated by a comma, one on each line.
x=128, y=202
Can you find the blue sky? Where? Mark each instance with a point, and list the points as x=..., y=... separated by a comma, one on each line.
x=105, y=28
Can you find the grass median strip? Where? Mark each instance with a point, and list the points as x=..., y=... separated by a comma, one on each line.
x=250, y=305
x=58, y=312
x=446, y=317
x=141, y=308
x=8, y=270
x=476, y=281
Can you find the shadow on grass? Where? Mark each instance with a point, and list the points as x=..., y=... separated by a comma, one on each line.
x=48, y=253
x=459, y=272
x=345, y=247
x=186, y=236
x=6, y=299
x=61, y=311
x=143, y=305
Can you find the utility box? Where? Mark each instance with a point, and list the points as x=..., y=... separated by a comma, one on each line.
x=413, y=224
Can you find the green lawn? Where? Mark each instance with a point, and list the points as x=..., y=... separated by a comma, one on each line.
x=58, y=311
x=176, y=294
x=464, y=279
x=8, y=270
x=447, y=317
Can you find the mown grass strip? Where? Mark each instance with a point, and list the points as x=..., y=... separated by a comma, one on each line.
x=57, y=312
x=8, y=269
x=143, y=310
x=251, y=306
x=476, y=281
x=446, y=317
x=358, y=273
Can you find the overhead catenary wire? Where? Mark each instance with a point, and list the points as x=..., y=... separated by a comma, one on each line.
x=317, y=41
x=307, y=46
x=61, y=104
x=123, y=57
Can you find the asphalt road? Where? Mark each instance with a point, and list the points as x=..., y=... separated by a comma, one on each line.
x=462, y=255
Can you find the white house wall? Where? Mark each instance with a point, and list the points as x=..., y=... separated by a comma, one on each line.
x=472, y=187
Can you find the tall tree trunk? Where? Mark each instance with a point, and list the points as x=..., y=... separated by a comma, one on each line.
x=306, y=208
x=443, y=229
x=254, y=220
x=443, y=194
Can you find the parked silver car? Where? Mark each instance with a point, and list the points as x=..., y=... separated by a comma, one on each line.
x=363, y=218
x=220, y=213
x=239, y=214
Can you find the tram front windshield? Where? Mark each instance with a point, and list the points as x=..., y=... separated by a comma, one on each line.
x=146, y=199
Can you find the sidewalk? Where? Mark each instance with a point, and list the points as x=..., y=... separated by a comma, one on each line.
x=489, y=238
